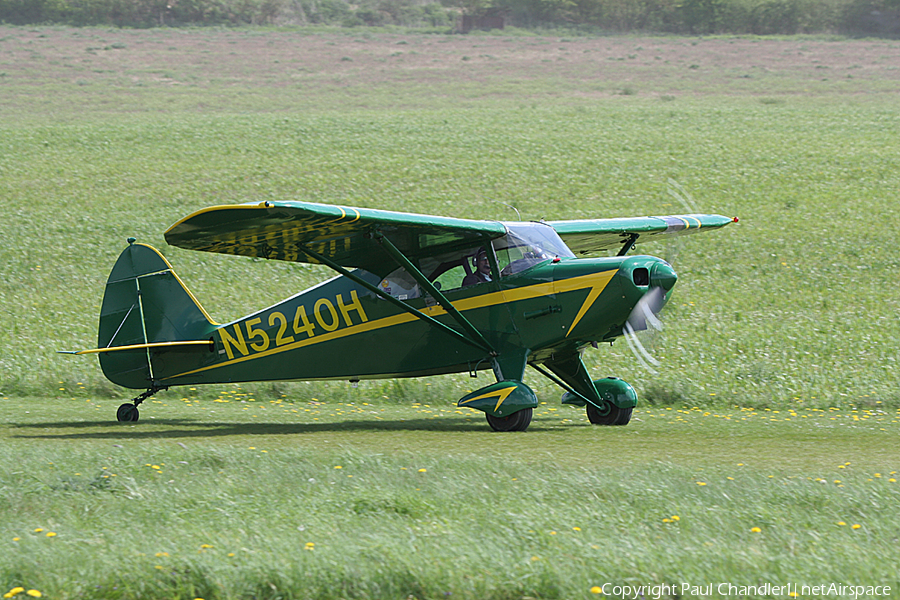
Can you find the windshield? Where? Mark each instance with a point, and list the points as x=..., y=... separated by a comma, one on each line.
x=526, y=245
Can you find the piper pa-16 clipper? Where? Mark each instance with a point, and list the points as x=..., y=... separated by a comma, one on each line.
x=414, y=295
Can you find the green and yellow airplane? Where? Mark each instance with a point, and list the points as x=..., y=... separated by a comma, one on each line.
x=414, y=295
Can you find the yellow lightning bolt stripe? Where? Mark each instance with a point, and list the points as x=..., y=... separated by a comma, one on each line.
x=501, y=394
x=596, y=281
x=599, y=284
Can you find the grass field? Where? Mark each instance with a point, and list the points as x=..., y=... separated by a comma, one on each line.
x=779, y=356
x=249, y=499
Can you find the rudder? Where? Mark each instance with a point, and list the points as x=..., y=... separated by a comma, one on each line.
x=145, y=303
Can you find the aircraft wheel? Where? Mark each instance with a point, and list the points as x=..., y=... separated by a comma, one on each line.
x=518, y=421
x=127, y=412
x=613, y=415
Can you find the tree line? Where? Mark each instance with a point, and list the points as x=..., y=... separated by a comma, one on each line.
x=761, y=17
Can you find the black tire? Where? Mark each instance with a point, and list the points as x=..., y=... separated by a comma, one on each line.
x=128, y=413
x=518, y=421
x=613, y=415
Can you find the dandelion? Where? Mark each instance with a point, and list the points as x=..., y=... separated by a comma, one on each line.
x=338, y=467
x=13, y=592
x=855, y=526
x=310, y=546
x=596, y=590
x=51, y=534
x=34, y=593
x=423, y=470
x=576, y=529
x=39, y=529
x=755, y=530
x=701, y=483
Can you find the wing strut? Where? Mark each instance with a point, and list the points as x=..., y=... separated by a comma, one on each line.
x=629, y=244
x=435, y=293
x=382, y=294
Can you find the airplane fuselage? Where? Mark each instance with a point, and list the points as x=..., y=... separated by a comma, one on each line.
x=341, y=330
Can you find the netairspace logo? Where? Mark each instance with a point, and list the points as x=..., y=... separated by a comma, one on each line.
x=724, y=590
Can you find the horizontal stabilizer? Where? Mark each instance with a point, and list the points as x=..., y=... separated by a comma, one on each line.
x=186, y=345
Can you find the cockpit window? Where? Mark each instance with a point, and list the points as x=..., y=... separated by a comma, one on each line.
x=526, y=245
x=449, y=271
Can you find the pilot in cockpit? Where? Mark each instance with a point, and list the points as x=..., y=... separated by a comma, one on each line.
x=482, y=269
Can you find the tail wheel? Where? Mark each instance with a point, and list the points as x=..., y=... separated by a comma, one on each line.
x=127, y=413
x=518, y=421
x=609, y=415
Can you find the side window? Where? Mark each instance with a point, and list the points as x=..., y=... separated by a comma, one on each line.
x=458, y=269
x=451, y=279
x=400, y=285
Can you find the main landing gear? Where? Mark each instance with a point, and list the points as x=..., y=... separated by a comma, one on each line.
x=128, y=412
x=610, y=415
x=518, y=421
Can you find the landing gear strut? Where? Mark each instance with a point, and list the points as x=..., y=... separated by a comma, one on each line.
x=128, y=412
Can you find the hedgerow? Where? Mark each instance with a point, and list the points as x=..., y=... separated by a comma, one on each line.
x=698, y=17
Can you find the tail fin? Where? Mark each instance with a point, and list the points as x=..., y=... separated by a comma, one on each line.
x=147, y=315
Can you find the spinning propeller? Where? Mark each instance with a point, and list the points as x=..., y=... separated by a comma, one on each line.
x=642, y=318
x=644, y=315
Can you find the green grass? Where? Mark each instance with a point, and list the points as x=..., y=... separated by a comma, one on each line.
x=241, y=498
x=793, y=306
x=779, y=353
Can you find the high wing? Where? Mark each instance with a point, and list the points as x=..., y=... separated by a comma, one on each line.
x=284, y=230
x=593, y=235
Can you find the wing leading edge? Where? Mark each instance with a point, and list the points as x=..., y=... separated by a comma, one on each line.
x=282, y=230
x=593, y=235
